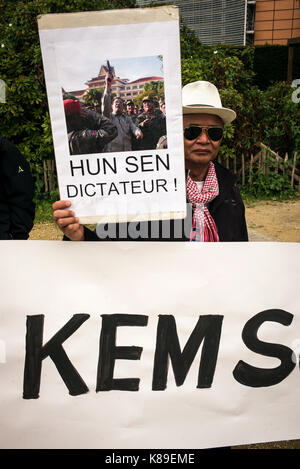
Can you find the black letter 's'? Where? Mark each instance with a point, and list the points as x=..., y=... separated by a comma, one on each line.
x=36, y=352
x=207, y=328
x=108, y=352
x=260, y=377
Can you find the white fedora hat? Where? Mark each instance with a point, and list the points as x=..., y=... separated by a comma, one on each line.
x=202, y=97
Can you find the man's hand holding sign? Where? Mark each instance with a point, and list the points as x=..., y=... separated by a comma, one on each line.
x=66, y=220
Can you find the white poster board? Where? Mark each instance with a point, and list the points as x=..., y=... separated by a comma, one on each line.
x=139, y=46
x=122, y=310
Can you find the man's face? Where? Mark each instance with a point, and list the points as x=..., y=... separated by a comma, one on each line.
x=148, y=106
x=130, y=108
x=202, y=149
x=117, y=106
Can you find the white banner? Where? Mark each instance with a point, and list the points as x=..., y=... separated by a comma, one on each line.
x=138, y=47
x=148, y=345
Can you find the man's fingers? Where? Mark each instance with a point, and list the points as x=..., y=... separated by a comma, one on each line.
x=63, y=222
x=61, y=204
x=57, y=214
x=75, y=232
x=73, y=227
x=66, y=220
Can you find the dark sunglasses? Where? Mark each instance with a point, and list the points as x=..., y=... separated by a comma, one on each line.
x=194, y=131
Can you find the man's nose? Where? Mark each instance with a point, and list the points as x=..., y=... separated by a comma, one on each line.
x=203, y=137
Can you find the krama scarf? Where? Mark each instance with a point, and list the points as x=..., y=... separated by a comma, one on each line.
x=203, y=226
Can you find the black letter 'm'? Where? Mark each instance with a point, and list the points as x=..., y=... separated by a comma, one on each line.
x=260, y=377
x=108, y=352
x=36, y=352
x=207, y=328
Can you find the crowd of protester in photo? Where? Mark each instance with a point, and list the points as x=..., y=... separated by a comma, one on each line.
x=119, y=126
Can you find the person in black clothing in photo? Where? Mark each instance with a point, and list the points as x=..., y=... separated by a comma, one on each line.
x=152, y=123
x=88, y=131
x=17, y=208
x=215, y=210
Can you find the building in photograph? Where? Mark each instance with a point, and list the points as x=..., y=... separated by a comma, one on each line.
x=75, y=93
x=120, y=86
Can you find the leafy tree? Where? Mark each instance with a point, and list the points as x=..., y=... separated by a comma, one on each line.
x=234, y=82
x=281, y=125
x=92, y=98
x=24, y=116
x=154, y=89
x=70, y=96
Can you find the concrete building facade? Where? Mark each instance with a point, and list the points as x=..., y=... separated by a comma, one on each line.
x=216, y=21
x=240, y=22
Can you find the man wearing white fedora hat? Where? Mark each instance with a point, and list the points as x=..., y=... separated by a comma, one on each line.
x=218, y=210
x=215, y=209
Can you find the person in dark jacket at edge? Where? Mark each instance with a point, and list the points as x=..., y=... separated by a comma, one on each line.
x=17, y=208
x=216, y=209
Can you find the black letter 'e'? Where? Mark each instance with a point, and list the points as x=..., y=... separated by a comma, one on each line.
x=108, y=352
x=262, y=377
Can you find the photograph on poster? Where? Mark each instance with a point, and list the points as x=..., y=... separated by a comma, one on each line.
x=126, y=93
x=116, y=114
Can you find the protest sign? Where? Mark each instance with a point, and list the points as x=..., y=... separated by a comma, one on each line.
x=118, y=345
x=111, y=166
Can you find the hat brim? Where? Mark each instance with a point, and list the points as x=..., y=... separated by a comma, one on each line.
x=227, y=115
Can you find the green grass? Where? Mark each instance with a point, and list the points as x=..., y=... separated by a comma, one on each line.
x=43, y=212
x=43, y=209
x=249, y=198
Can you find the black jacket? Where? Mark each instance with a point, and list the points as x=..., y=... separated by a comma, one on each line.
x=89, y=133
x=152, y=130
x=227, y=210
x=16, y=193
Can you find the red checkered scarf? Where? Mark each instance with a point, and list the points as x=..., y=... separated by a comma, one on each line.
x=203, y=226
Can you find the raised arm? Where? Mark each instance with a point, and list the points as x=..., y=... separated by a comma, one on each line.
x=106, y=99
